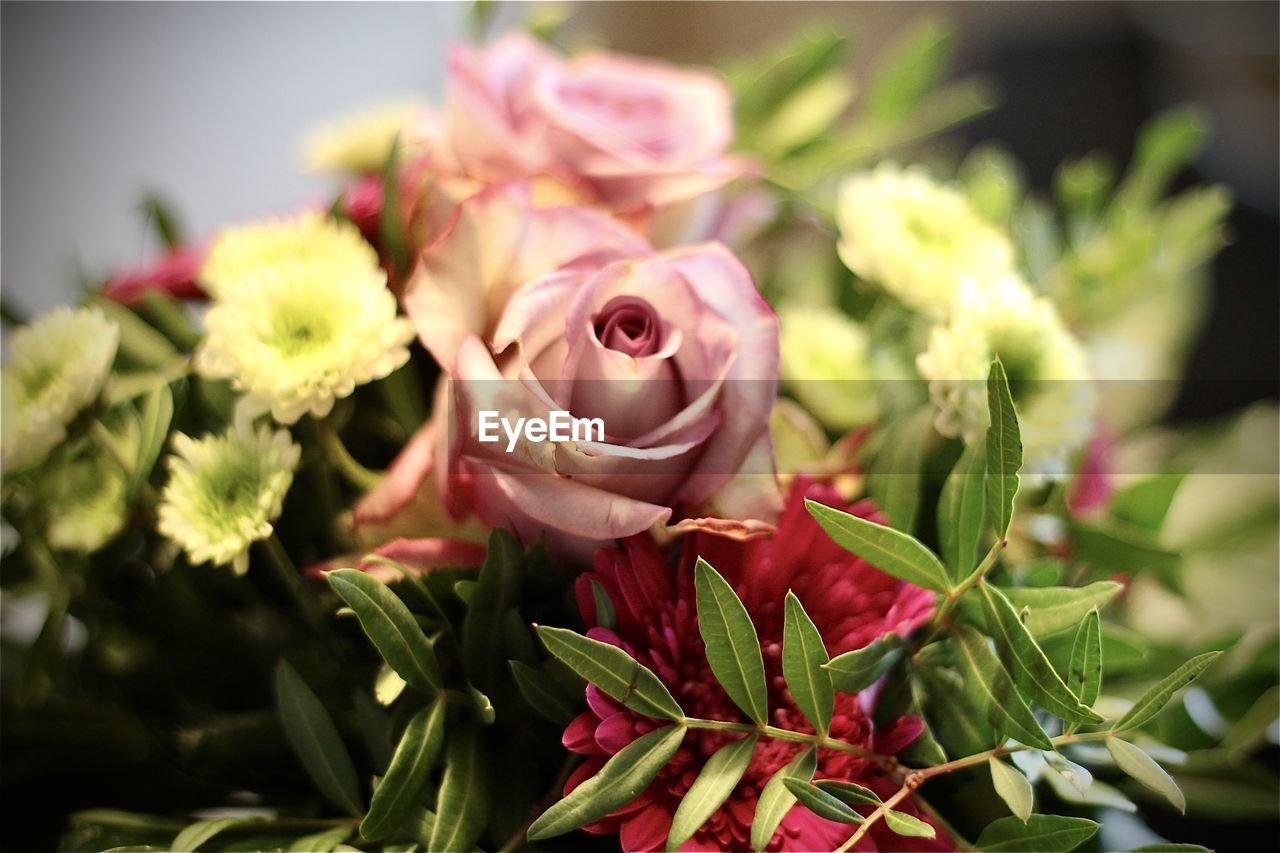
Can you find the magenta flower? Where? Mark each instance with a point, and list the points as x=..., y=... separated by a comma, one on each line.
x=849, y=601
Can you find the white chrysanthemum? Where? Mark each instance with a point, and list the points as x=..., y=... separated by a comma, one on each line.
x=826, y=365
x=301, y=332
x=224, y=491
x=360, y=142
x=57, y=366
x=1045, y=364
x=240, y=253
x=916, y=238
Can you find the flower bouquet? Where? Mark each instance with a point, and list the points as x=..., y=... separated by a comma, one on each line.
x=644, y=456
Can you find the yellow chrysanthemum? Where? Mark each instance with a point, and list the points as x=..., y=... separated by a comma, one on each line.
x=916, y=238
x=241, y=253
x=302, y=331
x=1046, y=367
x=224, y=491
x=360, y=142
x=826, y=365
x=57, y=366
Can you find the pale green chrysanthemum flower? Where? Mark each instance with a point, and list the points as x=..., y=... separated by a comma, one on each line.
x=300, y=332
x=360, y=142
x=57, y=367
x=917, y=238
x=1046, y=366
x=239, y=254
x=826, y=364
x=224, y=491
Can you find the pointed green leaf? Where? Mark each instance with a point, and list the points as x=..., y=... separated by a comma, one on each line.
x=406, y=778
x=905, y=824
x=620, y=781
x=964, y=729
x=803, y=659
x=1144, y=768
x=542, y=694
x=821, y=803
x=913, y=67
x=195, y=835
x=390, y=627
x=462, y=806
x=1054, y=608
x=775, y=800
x=314, y=738
x=391, y=227
x=859, y=669
x=716, y=781
x=962, y=511
x=733, y=650
x=606, y=617
x=154, y=417
x=1045, y=684
x=849, y=792
x=497, y=591
x=1099, y=793
x=891, y=551
x=1146, y=503
x=613, y=671
x=323, y=841
x=1086, y=660
x=893, y=475
x=1041, y=833
x=1004, y=450
x=1079, y=777
x=1012, y=787
x=1157, y=697
x=988, y=686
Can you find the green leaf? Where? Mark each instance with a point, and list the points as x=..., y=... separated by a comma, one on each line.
x=613, y=671
x=893, y=475
x=1143, y=768
x=497, y=592
x=154, y=416
x=321, y=842
x=1079, y=777
x=803, y=659
x=905, y=824
x=195, y=835
x=1145, y=503
x=849, y=792
x=859, y=669
x=606, y=617
x=821, y=803
x=1004, y=449
x=1012, y=787
x=961, y=512
x=1115, y=547
x=401, y=788
x=988, y=686
x=1158, y=696
x=542, y=694
x=716, y=781
x=620, y=781
x=462, y=807
x=1086, y=660
x=913, y=67
x=733, y=650
x=891, y=551
x=1169, y=847
x=775, y=800
x=1055, y=608
x=314, y=738
x=391, y=228
x=390, y=627
x=1045, y=684
x=963, y=728
x=806, y=115
x=1041, y=833
x=161, y=217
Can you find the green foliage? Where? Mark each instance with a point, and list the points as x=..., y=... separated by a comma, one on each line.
x=908, y=825
x=715, y=782
x=1085, y=676
x=390, y=627
x=406, y=777
x=1143, y=768
x=613, y=671
x=1012, y=787
x=889, y=550
x=462, y=807
x=733, y=650
x=821, y=803
x=620, y=781
x=1004, y=450
x=857, y=670
x=804, y=658
x=989, y=687
x=314, y=738
x=1041, y=833
x=1154, y=700
x=962, y=512
x=776, y=799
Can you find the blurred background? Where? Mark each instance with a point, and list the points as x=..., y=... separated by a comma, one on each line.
x=204, y=104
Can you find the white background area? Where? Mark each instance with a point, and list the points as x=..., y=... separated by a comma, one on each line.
x=202, y=103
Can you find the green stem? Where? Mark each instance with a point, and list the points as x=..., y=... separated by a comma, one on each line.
x=943, y=615
x=866, y=825
x=321, y=476
x=776, y=733
x=352, y=471
x=287, y=576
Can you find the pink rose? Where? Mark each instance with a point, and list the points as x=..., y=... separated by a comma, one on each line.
x=533, y=310
x=173, y=274
x=635, y=135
